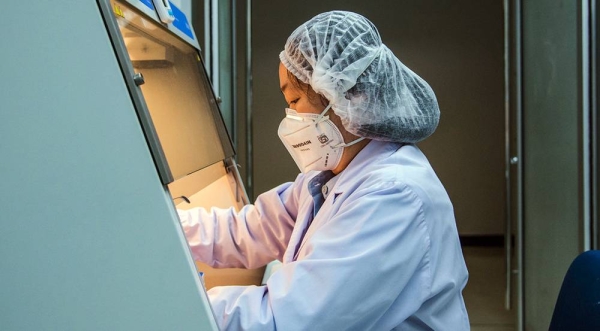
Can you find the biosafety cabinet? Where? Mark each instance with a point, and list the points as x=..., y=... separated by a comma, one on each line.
x=108, y=124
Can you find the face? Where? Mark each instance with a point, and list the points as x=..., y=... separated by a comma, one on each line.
x=296, y=98
x=303, y=102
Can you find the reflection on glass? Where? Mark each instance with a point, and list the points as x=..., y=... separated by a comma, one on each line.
x=177, y=92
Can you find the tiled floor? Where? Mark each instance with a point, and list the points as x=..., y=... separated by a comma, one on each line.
x=484, y=293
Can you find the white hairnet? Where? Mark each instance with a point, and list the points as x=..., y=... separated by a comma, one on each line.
x=341, y=56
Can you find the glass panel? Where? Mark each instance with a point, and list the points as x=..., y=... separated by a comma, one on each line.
x=179, y=98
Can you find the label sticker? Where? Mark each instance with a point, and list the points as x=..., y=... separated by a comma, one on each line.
x=181, y=21
x=148, y=3
x=118, y=11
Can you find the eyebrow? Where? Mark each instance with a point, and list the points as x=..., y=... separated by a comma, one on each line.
x=283, y=87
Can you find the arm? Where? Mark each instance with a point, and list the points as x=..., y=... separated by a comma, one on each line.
x=250, y=238
x=354, y=267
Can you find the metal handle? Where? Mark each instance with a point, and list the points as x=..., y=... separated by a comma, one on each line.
x=508, y=159
x=138, y=79
x=513, y=78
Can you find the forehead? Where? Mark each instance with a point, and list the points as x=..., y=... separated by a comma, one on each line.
x=290, y=84
x=284, y=81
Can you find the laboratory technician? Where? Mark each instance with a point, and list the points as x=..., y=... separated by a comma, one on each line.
x=366, y=233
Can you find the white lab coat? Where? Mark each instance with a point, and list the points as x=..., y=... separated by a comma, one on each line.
x=382, y=253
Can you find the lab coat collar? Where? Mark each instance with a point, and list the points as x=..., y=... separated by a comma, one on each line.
x=370, y=154
x=374, y=151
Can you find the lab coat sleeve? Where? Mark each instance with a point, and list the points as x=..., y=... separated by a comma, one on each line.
x=373, y=252
x=250, y=238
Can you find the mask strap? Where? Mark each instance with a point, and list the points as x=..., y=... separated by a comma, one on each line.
x=326, y=109
x=350, y=143
x=322, y=116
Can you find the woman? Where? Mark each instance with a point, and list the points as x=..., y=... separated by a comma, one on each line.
x=366, y=232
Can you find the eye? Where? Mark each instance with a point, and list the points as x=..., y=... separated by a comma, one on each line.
x=294, y=101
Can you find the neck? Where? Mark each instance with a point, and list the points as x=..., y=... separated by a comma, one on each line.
x=348, y=155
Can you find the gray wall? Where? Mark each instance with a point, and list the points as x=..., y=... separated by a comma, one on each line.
x=457, y=46
x=551, y=93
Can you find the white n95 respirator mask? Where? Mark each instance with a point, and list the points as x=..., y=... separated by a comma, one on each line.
x=313, y=140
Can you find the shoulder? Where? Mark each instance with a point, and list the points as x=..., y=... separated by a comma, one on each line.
x=391, y=165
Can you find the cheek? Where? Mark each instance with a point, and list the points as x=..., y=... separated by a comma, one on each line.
x=303, y=106
x=336, y=120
